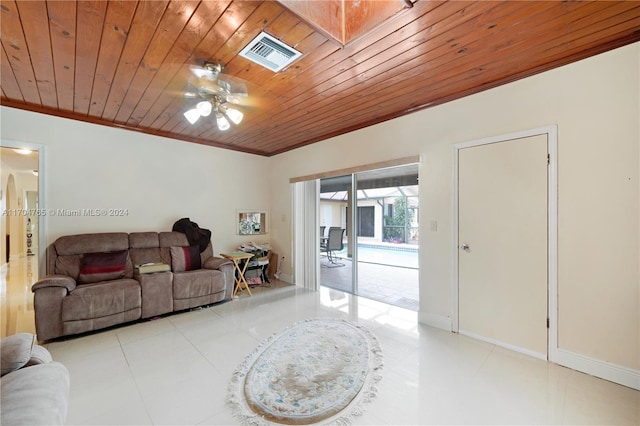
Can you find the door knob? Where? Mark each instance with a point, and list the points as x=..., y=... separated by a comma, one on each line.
x=464, y=246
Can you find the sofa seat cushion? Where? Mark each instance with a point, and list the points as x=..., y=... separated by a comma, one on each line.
x=36, y=395
x=202, y=282
x=101, y=299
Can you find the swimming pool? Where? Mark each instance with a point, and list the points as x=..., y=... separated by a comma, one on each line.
x=385, y=255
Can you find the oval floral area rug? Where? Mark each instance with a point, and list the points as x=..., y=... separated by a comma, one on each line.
x=316, y=371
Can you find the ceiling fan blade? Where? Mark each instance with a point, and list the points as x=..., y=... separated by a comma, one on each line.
x=201, y=72
x=254, y=102
x=232, y=85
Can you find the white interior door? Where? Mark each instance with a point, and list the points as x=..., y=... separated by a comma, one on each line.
x=503, y=242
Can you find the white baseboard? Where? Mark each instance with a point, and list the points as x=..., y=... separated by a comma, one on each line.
x=595, y=367
x=287, y=278
x=434, y=320
x=614, y=373
x=505, y=345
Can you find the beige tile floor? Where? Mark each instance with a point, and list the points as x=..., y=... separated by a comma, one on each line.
x=16, y=298
x=175, y=370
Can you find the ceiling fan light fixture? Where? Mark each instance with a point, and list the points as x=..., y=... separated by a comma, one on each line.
x=223, y=123
x=204, y=108
x=235, y=115
x=192, y=115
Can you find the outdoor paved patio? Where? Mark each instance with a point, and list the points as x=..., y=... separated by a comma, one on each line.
x=394, y=285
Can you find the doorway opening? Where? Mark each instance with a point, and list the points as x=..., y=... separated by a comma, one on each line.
x=21, y=229
x=369, y=234
x=20, y=202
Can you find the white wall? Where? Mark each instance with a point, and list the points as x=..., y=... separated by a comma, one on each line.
x=334, y=216
x=155, y=180
x=596, y=106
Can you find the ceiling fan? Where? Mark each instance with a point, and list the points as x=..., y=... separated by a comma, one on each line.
x=216, y=94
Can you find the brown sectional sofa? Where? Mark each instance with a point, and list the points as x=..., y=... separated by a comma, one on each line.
x=73, y=298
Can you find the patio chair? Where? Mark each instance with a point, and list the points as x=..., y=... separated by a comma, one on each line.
x=334, y=243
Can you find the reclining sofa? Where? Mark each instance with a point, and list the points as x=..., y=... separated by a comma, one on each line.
x=92, y=282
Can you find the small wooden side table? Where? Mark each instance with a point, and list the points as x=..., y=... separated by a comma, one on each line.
x=236, y=257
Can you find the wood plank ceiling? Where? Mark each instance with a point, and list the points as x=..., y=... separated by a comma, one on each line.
x=122, y=63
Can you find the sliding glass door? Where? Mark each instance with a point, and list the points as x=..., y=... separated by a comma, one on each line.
x=377, y=212
x=336, y=198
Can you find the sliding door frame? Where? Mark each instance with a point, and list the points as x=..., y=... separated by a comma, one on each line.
x=306, y=219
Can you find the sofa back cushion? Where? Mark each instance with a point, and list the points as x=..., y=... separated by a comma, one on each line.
x=168, y=240
x=185, y=258
x=144, y=247
x=178, y=239
x=69, y=250
x=103, y=266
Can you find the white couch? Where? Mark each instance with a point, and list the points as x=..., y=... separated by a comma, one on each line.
x=34, y=388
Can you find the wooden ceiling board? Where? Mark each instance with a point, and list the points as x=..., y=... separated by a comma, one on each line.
x=463, y=69
x=115, y=32
x=15, y=45
x=297, y=34
x=326, y=16
x=396, y=92
x=343, y=65
x=407, y=71
x=392, y=59
x=175, y=18
x=145, y=22
x=90, y=17
x=342, y=60
x=264, y=14
x=126, y=64
x=62, y=28
x=36, y=31
x=10, y=88
x=360, y=17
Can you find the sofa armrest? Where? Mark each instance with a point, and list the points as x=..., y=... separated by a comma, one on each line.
x=228, y=270
x=39, y=355
x=47, y=303
x=55, y=281
x=15, y=351
x=215, y=262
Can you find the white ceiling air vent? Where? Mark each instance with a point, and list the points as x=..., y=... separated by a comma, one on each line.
x=270, y=52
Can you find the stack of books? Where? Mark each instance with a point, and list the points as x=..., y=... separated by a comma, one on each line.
x=149, y=268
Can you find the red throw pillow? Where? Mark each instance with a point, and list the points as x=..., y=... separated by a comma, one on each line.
x=102, y=266
x=185, y=258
